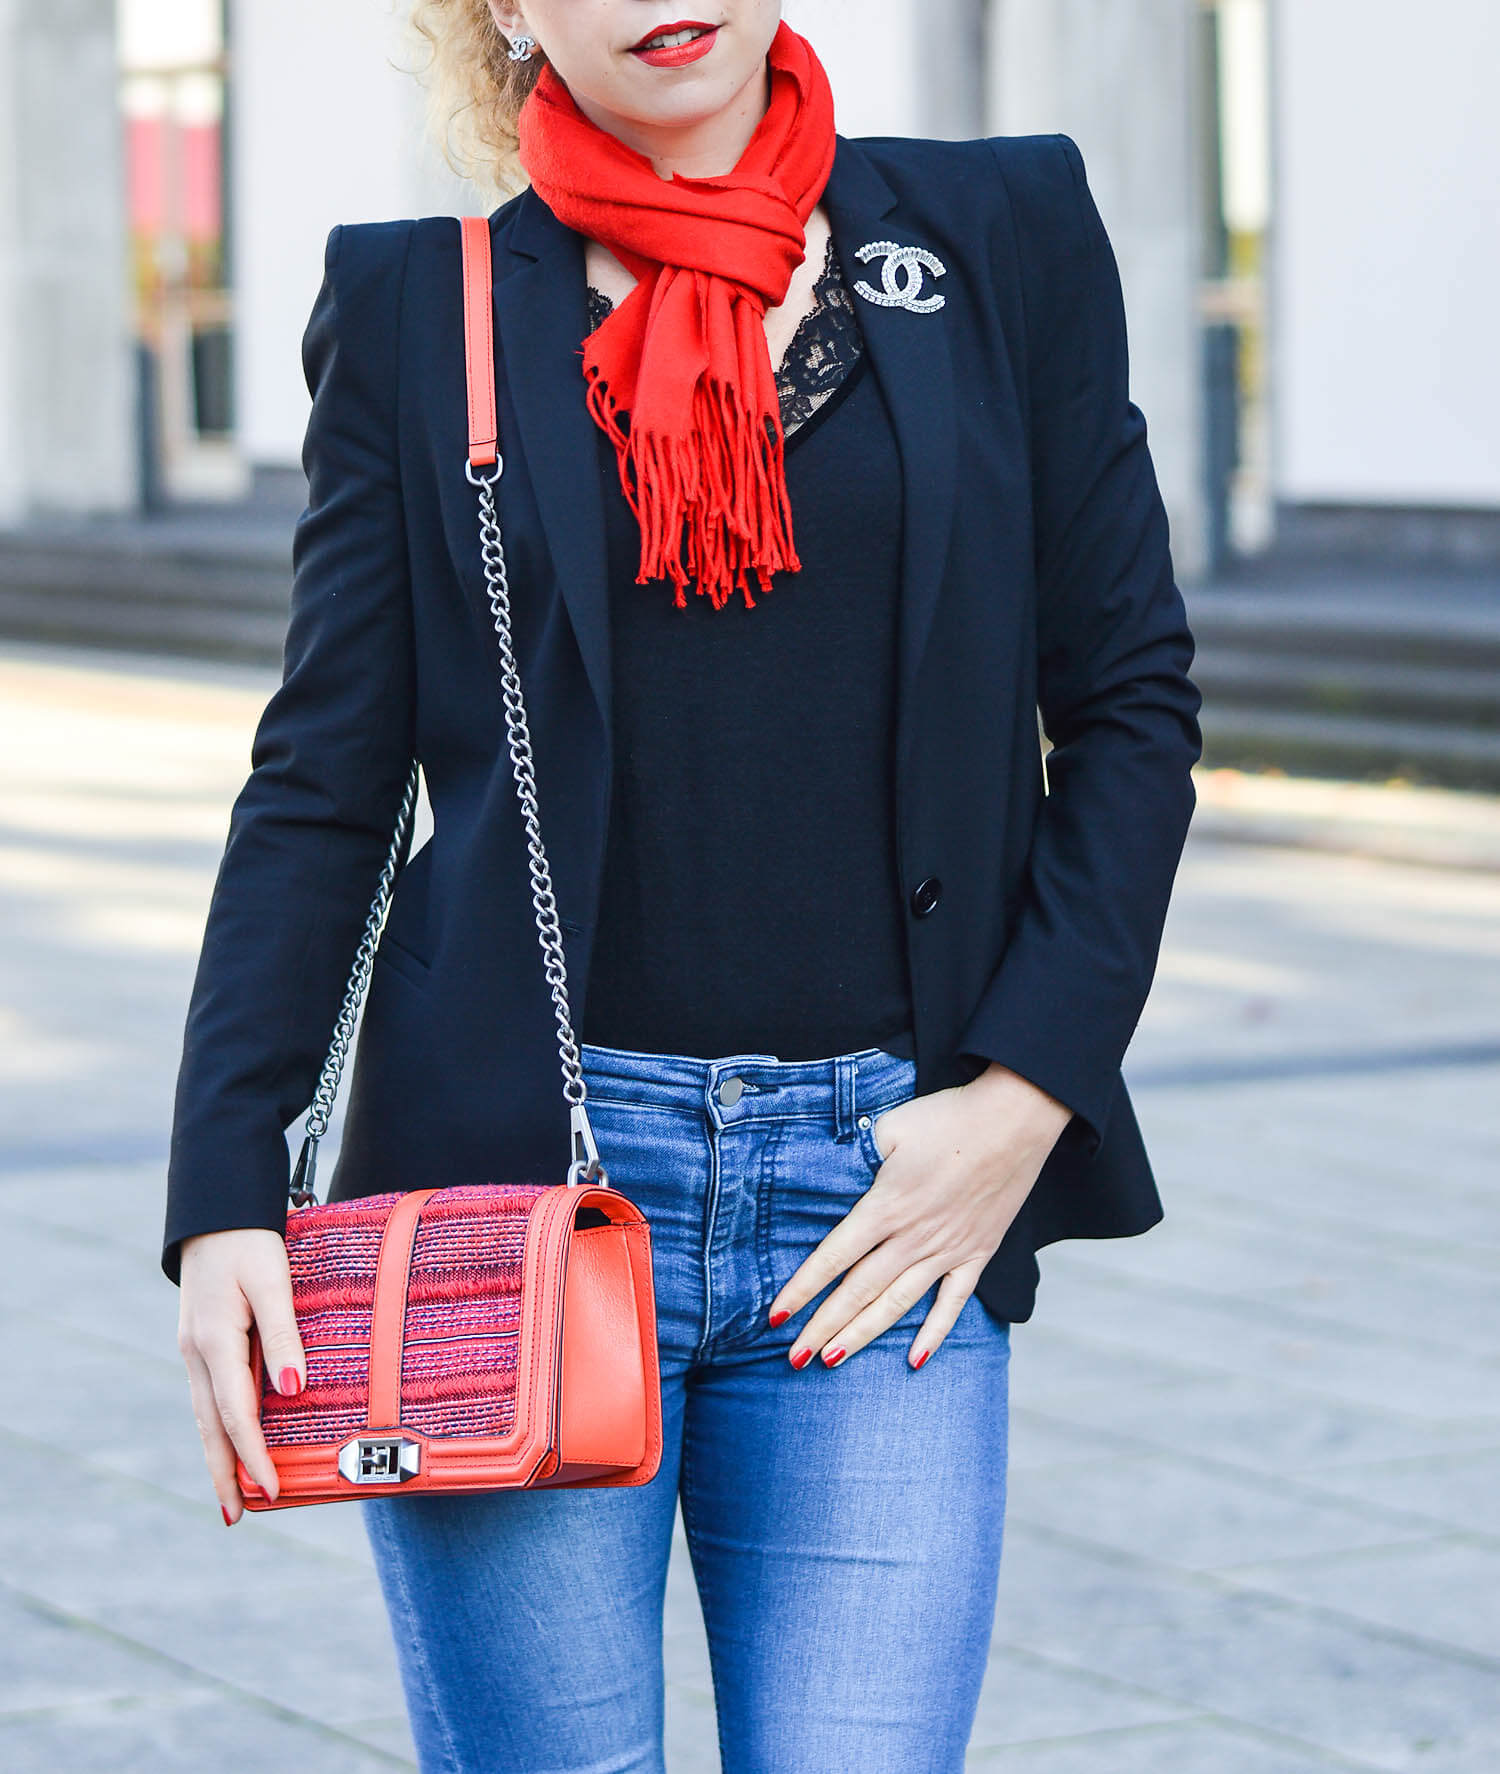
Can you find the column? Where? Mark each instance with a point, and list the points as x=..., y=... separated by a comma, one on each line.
x=67, y=379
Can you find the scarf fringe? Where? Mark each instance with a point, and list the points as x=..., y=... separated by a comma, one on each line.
x=711, y=506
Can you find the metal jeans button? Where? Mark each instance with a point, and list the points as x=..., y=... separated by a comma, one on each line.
x=730, y=1091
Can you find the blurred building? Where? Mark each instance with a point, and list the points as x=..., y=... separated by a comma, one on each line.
x=1303, y=199
x=173, y=89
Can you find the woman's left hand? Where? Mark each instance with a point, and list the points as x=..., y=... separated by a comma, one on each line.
x=959, y=1163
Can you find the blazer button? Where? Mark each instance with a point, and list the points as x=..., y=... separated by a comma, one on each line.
x=925, y=895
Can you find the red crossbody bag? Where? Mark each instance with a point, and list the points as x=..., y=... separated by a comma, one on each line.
x=482, y=1336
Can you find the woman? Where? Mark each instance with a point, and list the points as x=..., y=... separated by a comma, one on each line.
x=821, y=478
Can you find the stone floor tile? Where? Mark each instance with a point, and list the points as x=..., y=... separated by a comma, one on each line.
x=334, y=1531
x=1395, y=1368
x=692, y=1732
x=1444, y=1592
x=180, y=1737
x=1357, y=1205
x=138, y=1424
x=117, y=1204
x=1193, y=1746
x=1035, y=1440
x=1189, y=1517
x=1458, y=1489
x=1251, y=1659
x=1289, y=951
x=1324, y=1278
x=1083, y=1378
x=120, y=1410
x=391, y=1736
x=50, y=1661
x=1251, y=1423
x=685, y=1650
x=109, y=1293
x=1026, y=1698
x=83, y=1540
x=322, y=1649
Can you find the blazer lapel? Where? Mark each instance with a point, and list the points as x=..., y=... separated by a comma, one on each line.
x=913, y=362
x=542, y=312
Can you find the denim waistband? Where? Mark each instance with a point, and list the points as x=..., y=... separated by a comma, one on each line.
x=744, y=1086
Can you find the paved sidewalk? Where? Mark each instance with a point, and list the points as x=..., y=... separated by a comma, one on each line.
x=1253, y=1525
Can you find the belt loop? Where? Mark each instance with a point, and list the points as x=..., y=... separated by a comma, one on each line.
x=845, y=1072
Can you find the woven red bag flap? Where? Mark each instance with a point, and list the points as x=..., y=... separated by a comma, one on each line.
x=462, y=1321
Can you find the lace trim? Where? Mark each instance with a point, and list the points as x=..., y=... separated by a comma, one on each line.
x=825, y=347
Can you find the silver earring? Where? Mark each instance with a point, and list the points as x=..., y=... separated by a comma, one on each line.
x=520, y=50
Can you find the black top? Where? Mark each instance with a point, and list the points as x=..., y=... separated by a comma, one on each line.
x=751, y=898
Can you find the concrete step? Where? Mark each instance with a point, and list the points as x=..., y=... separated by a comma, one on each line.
x=1336, y=684
x=99, y=618
x=1422, y=633
x=1357, y=669
x=196, y=588
x=1366, y=749
x=1352, y=670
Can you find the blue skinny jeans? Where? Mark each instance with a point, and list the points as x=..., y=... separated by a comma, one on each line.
x=844, y=1523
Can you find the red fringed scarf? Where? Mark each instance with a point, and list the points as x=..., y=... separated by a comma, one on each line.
x=684, y=357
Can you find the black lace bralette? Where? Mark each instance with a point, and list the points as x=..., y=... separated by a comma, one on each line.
x=825, y=347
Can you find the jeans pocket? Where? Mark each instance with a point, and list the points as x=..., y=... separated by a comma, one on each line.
x=869, y=1143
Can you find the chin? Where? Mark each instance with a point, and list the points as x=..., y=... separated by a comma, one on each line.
x=688, y=103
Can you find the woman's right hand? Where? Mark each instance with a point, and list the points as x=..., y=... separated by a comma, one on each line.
x=228, y=1281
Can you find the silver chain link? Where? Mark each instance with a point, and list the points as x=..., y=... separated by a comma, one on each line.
x=585, y=1164
x=585, y=1161
x=359, y=977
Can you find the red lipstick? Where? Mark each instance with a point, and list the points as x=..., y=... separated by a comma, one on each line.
x=678, y=54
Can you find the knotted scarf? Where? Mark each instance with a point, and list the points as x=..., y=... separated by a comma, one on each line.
x=679, y=375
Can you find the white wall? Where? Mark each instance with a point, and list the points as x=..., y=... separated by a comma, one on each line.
x=869, y=48
x=327, y=128
x=1386, y=282
x=1119, y=78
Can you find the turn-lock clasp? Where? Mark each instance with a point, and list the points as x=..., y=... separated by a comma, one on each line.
x=380, y=1459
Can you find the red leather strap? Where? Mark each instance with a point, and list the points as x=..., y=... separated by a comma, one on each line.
x=388, y=1329
x=479, y=340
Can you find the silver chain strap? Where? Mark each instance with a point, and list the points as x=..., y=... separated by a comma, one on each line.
x=584, y=1165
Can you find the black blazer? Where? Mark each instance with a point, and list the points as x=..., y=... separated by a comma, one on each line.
x=1036, y=572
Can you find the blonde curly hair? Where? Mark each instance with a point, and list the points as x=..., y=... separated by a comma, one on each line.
x=474, y=90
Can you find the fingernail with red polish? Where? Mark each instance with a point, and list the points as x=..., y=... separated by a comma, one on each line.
x=290, y=1382
x=921, y=1358
x=779, y=1317
x=834, y=1357
x=802, y=1357
x=228, y=1518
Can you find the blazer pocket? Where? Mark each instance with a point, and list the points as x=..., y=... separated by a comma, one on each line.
x=400, y=959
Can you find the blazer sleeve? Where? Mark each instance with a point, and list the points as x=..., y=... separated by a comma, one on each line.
x=309, y=831
x=1113, y=652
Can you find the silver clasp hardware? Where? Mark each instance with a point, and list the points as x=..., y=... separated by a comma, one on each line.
x=303, y=1191
x=585, y=1166
x=380, y=1459
x=484, y=480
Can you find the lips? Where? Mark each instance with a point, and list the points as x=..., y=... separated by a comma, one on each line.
x=676, y=54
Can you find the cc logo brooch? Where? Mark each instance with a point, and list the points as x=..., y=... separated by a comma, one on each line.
x=901, y=276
